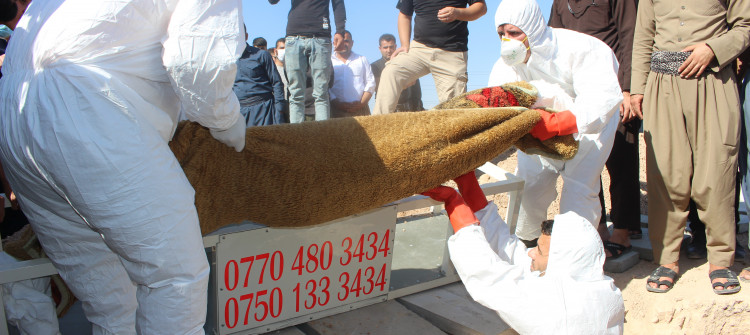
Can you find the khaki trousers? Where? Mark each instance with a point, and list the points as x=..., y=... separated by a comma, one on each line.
x=691, y=128
x=448, y=69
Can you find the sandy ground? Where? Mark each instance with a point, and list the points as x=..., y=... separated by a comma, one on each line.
x=690, y=307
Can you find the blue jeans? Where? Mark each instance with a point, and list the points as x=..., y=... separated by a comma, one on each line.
x=744, y=158
x=302, y=52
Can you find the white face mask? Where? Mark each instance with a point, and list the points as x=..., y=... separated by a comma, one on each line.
x=280, y=54
x=513, y=52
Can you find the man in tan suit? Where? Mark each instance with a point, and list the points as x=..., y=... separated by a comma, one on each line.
x=683, y=81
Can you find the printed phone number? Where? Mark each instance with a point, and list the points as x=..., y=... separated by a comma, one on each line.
x=314, y=293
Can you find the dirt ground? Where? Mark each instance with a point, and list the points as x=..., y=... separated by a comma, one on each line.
x=690, y=307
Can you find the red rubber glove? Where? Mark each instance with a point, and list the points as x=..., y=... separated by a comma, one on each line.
x=554, y=124
x=459, y=213
x=470, y=190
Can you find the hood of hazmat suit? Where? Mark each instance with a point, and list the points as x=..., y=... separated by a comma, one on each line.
x=91, y=94
x=583, y=66
x=572, y=297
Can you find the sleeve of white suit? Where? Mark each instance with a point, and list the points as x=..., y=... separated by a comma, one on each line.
x=597, y=90
x=508, y=247
x=200, y=53
x=493, y=282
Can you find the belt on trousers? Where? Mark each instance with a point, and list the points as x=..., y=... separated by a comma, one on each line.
x=311, y=35
x=256, y=99
x=667, y=62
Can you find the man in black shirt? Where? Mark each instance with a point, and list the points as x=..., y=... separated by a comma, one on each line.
x=411, y=97
x=308, y=44
x=439, y=47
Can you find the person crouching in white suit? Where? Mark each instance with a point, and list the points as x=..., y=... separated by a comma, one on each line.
x=561, y=279
x=578, y=74
x=91, y=92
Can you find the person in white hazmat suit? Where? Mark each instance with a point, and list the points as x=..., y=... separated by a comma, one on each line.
x=557, y=287
x=91, y=91
x=575, y=73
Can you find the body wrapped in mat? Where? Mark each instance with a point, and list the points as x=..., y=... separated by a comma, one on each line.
x=294, y=175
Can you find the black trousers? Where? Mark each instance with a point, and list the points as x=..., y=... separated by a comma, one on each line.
x=625, y=186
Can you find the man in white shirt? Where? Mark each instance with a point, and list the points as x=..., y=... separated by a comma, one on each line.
x=353, y=84
x=561, y=279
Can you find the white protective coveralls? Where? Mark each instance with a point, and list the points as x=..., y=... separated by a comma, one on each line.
x=573, y=297
x=563, y=64
x=28, y=304
x=91, y=93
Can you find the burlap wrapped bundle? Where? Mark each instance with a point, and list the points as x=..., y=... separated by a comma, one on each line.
x=516, y=94
x=304, y=174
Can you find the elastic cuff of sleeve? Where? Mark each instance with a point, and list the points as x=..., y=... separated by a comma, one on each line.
x=456, y=228
x=567, y=123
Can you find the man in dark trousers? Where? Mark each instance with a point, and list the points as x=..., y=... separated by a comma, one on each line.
x=613, y=22
x=259, y=88
x=308, y=44
x=411, y=97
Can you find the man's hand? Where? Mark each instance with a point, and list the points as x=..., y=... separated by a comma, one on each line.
x=636, y=102
x=697, y=62
x=448, y=14
x=365, y=99
x=471, y=13
x=13, y=200
x=399, y=50
x=626, y=109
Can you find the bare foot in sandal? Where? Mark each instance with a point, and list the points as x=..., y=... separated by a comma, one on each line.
x=745, y=274
x=659, y=285
x=723, y=280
